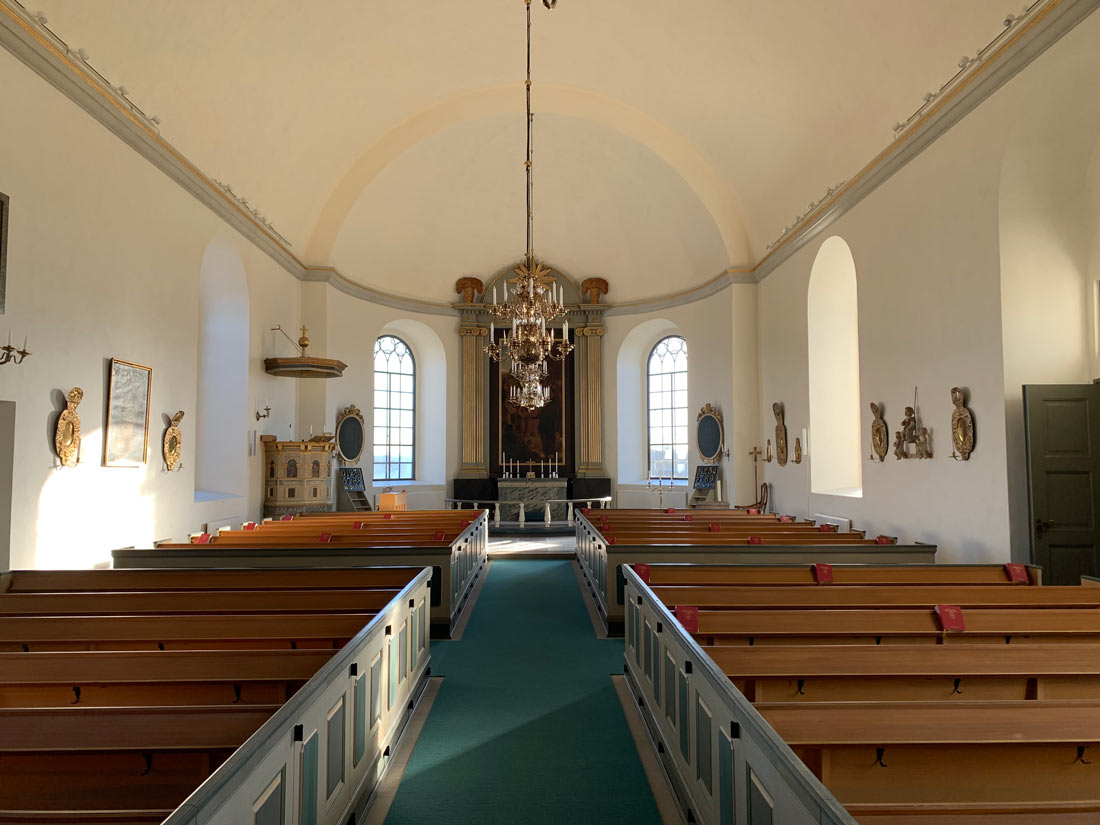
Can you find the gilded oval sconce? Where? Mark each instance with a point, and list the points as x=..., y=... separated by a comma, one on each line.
x=67, y=438
x=173, y=443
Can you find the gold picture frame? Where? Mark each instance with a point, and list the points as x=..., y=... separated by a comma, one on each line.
x=126, y=439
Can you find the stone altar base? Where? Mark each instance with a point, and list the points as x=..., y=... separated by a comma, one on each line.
x=534, y=492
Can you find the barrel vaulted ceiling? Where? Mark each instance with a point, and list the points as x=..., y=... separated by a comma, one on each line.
x=385, y=137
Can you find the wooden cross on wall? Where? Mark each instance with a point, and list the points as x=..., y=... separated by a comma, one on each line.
x=755, y=453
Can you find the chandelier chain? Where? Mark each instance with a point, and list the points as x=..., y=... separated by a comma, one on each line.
x=532, y=299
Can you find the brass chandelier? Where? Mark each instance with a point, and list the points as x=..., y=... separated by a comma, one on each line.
x=532, y=300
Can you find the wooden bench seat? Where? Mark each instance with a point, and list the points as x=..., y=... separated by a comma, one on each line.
x=940, y=752
x=983, y=626
x=203, y=632
x=155, y=677
x=90, y=758
x=869, y=597
x=744, y=575
x=977, y=813
x=195, y=602
x=911, y=672
x=64, y=581
x=145, y=817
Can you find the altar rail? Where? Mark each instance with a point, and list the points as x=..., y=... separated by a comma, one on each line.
x=726, y=763
x=570, y=503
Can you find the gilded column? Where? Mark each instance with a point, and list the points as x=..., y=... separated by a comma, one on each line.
x=589, y=354
x=474, y=450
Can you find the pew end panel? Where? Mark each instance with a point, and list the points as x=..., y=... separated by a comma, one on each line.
x=725, y=762
x=327, y=748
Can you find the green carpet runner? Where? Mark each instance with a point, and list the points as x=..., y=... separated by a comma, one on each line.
x=527, y=727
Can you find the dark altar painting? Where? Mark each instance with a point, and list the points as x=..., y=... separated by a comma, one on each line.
x=533, y=435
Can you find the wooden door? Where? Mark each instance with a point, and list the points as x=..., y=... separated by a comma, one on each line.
x=1062, y=425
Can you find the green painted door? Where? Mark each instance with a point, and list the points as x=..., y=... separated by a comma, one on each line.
x=1062, y=422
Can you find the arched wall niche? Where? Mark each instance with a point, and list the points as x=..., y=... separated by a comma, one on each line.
x=630, y=374
x=832, y=331
x=431, y=397
x=221, y=469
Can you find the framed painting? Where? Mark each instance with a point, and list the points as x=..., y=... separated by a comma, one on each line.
x=127, y=439
x=3, y=250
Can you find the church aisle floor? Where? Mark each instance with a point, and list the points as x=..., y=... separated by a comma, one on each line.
x=527, y=727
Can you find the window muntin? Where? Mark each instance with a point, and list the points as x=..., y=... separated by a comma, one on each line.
x=667, y=404
x=394, y=410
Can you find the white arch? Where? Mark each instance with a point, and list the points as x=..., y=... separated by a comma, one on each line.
x=668, y=144
x=832, y=334
x=222, y=392
x=630, y=391
x=431, y=396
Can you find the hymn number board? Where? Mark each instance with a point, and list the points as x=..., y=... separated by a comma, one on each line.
x=706, y=477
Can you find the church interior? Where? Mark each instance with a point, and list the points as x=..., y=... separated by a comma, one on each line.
x=531, y=411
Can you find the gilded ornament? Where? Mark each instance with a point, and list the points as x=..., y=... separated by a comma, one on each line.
x=593, y=288
x=468, y=288
x=66, y=439
x=962, y=427
x=797, y=450
x=780, y=435
x=911, y=434
x=173, y=443
x=880, y=435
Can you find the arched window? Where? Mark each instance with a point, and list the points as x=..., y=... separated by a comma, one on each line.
x=832, y=333
x=316, y=468
x=292, y=469
x=668, y=408
x=394, y=410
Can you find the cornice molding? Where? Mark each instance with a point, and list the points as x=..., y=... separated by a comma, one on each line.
x=24, y=37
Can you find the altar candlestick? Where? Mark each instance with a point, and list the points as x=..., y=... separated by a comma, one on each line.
x=494, y=295
x=492, y=331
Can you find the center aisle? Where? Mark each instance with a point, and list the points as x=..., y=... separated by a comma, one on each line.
x=527, y=727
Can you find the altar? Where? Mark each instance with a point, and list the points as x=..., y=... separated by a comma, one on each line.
x=534, y=493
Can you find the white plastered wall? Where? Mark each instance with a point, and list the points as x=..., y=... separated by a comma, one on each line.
x=104, y=259
x=353, y=328
x=721, y=337
x=933, y=251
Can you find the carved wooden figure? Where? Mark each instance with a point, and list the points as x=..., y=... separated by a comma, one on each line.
x=798, y=450
x=880, y=435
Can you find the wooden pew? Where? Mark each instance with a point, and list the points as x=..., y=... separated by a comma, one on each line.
x=869, y=597
x=224, y=602
x=203, y=632
x=66, y=581
x=155, y=677
x=889, y=626
x=656, y=537
x=457, y=559
x=843, y=574
x=773, y=673
x=87, y=758
x=915, y=752
x=996, y=721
